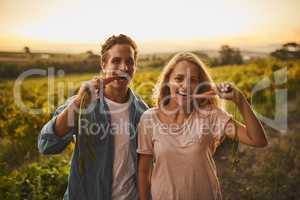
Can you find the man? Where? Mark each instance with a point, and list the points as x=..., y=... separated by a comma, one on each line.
x=104, y=161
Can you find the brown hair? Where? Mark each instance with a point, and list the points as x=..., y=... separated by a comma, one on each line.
x=117, y=39
x=162, y=89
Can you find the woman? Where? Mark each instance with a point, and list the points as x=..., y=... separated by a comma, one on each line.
x=181, y=133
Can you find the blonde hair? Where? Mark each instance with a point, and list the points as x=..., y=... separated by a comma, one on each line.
x=162, y=89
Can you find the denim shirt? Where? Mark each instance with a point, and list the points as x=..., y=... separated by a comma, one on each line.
x=95, y=183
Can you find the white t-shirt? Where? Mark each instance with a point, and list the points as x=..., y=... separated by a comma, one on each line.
x=124, y=187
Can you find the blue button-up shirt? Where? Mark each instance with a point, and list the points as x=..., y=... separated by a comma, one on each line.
x=90, y=175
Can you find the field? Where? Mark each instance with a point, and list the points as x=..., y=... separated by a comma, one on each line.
x=269, y=173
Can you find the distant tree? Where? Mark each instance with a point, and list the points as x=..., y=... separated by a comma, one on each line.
x=229, y=55
x=292, y=46
x=89, y=53
x=288, y=51
x=213, y=62
x=27, y=50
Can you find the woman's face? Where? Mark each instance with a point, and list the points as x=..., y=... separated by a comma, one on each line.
x=183, y=82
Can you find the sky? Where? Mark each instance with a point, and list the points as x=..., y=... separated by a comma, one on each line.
x=157, y=25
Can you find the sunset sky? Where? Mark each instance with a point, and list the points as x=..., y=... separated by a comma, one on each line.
x=164, y=25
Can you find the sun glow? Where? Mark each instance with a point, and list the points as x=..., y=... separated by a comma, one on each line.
x=89, y=22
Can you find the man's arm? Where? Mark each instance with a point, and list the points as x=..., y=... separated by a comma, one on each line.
x=59, y=131
x=66, y=119
x=53, y=141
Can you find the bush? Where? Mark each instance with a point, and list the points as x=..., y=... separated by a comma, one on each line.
x=37, y=181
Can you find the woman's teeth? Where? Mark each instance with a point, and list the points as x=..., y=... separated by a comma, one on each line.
x=181, y=93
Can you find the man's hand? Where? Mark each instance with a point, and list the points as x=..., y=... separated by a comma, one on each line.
x=90, y=89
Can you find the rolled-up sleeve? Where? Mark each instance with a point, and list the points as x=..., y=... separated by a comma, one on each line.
x=48, y=141
x=145, y=144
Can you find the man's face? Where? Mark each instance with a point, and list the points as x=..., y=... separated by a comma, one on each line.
x=120, y=63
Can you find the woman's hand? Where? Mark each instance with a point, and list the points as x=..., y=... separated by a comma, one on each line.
x=228, y=91
x=252, y=132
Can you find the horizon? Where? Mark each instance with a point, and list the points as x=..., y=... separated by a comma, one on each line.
x=144, y=48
